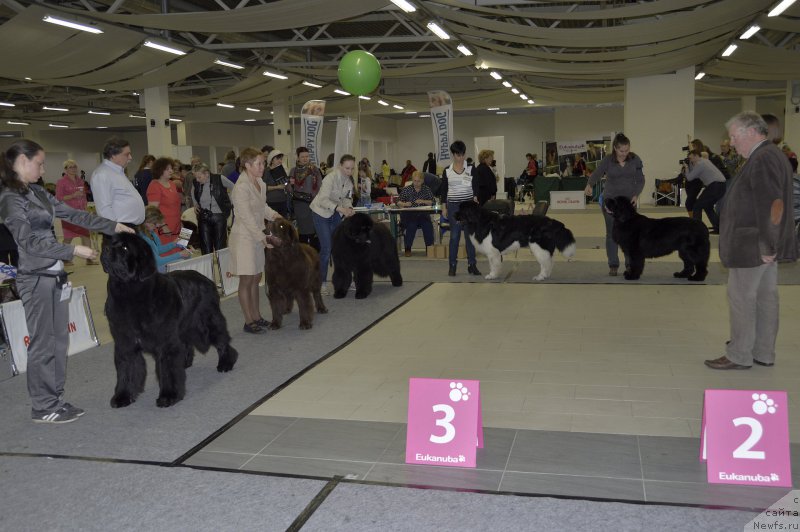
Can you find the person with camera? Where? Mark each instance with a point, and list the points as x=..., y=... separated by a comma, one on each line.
x=212, y=206
x=696, y=167
x=304, y=180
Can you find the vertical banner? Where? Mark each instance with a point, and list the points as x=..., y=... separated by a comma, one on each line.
x=442, y=121
x=312, y=116
x=345, y=139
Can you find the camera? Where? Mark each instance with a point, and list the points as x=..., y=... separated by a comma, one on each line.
x=684, y=161
x=206, y=215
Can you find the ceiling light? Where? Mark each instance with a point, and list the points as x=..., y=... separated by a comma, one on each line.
x=410, y=112
x=383, y=103
x=136, y=116
x=175, y=120
x=492, y=108
x=780, y=8
x=62, y=109
x=400, y=107
x=249, y=119
x=364, y=98
x=101, y=90
x=752, y=30
x=225, y=105
x=340, y=91
x=274, y=75
x=15, y=123
x=156, y=46
x=135, y=93
x=408, y=7
x=464, y=50
x=101, y=127
x=104, y=113
x=271, y=124
x=515, y=90
x=523, y=96
x=502, y=112
x=73, y=25
x=495, y=75
x=435, y=28
x=507, y=84
x=424, y=116
x=729, y=50
x=7, y=104
x=699, y=76
x=531, y=102
x=28, y=79
x=309, y=84
x=227, y=64
x=253, y=109
x=57, y=125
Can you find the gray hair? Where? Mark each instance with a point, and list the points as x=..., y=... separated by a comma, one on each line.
x=748, y=120
x=200, y=167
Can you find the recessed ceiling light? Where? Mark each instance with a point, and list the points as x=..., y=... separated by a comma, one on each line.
x=398, y=106
x=227, y=64
x=28, y=79
x=435, y=28
x=410, y=112
x=515, y=90
x=364, y=98
x=62, y=109
x=135, y=93
x=101, y=127
x=729, y=50
x=163, y=48
x=340, y=91
x=136, y=116
x=502, y=112
x=225, y=105
x=495, y=75
x=175, y=120
x=507, y=84
x=523, y=96
x=699, y=76
x=274, y=75
x=7, y=104
x=73, y=25
x=314, y=85
x=464, y=50
x=752, y=30
x=424, y=116
x=531, y=102
x=780, y=8
x=104, y=113
x=492, y=108
x=249, y=119
x=57, y=125
x=253, y=109
x=406, y=6
x=383, y=103
x=16, y=123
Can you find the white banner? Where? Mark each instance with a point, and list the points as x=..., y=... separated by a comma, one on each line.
x=203, y=264
x=312, y=116
x=442, y=121
x=82, y=335
x=230, y=282
x=345, y=139
x=568, y=148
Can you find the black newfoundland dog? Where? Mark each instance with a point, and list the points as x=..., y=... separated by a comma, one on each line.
x=361, y=248
x=292, y=274
x=641, y=237
x=165, y=315
x=494, y=235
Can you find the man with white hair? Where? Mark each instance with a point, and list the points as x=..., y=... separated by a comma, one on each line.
x=756, y=231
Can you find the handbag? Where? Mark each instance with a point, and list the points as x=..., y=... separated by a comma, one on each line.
x=305, y=197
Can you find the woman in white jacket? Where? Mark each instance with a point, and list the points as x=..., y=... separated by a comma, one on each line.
x=333, y=203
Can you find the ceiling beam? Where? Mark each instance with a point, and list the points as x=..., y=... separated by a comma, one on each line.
x=352, y=41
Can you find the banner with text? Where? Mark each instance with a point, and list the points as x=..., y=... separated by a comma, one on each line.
x=568, y=148
x=442, y=121
x=345, y=139
x=312, y=116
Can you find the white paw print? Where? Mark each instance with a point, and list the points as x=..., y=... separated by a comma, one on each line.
x=458, y=392
x=762, y=404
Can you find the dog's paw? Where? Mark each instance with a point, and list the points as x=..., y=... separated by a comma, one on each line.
x=164, y=401
x=540, y=277
x=121, y=400
x=490, y=276
x=683, y=274
x=361, y=295
x=305, y=325
x=629, y=276
x=339, y=294
x=224, y=367
x=697, y=278
x=322, y=310
x=274, y=325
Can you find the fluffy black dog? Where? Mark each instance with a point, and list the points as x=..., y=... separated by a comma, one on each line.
x=641, y=237
x=166, y=315
x=494, y=235
x=361, y=248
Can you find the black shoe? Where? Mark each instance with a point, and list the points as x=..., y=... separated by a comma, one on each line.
x=261, y=322
x=253, y=328
x=766, y=364
x=473, y=269
x=452, y=271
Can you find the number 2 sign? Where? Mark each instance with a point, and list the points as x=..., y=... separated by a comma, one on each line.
x=745, y=437
x=444, y=422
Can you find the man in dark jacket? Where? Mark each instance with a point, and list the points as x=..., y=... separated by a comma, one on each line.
x=756, y=231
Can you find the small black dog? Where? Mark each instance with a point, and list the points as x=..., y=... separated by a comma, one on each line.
x=361, y=248
x=641, y=237
x=167, y=315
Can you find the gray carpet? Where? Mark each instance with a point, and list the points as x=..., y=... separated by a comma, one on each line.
x=368, y=508
x=143, y=431
x=89, y=496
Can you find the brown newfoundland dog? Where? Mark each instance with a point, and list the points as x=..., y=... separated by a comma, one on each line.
x=292, y=270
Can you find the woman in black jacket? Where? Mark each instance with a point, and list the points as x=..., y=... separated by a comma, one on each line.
x=429, y=165
x=484, y=186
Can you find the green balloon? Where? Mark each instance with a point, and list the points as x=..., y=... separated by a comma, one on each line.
x=359, y=72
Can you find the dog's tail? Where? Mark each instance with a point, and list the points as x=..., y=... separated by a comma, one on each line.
x=565, y=241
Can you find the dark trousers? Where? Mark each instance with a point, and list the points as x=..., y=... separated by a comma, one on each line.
x=417, y=220
x=213, y=232
x=706, y=202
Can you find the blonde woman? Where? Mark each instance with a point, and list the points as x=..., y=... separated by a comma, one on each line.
x=484, y=185
x=71, y=189
x=247, y=239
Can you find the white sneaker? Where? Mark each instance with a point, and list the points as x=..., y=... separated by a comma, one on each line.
x=324, y=290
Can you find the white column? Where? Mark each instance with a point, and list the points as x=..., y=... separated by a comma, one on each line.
x=748, y=103
x=659, y=117
x=181, y=130
x=159, y=135
x=791, y=118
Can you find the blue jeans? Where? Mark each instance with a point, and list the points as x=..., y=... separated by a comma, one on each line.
x=417, y=220
x=455, y=237
x=325, y=228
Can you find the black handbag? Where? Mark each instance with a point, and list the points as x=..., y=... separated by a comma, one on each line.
x=305, y=197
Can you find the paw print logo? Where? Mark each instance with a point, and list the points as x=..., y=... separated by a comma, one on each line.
x=774, y=477
x=462, y=458
x=762, y=404
x=458, y=392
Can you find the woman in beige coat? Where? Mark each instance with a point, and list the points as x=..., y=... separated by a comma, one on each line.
x=247, y=240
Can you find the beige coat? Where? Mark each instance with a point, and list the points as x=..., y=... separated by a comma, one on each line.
x=336, y=191
x=246, y=241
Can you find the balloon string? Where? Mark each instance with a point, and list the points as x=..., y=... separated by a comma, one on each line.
x=358, y=127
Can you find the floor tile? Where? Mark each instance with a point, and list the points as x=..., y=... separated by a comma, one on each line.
x=671, y=459
x=574, y=486
x=308, y=466
x=446, y=477
x=250, y=435
x=219, y=460
x=712, y=494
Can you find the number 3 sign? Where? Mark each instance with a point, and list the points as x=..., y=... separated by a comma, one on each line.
x=444, y=422
x=746, y=437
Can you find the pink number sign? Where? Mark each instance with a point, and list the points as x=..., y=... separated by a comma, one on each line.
x=444, y=422
x=746, y=437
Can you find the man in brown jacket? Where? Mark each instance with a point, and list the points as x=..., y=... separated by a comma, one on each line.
x=756, y=231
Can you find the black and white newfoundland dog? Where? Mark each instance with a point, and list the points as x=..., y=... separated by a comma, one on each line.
x=495, y=235
x=641, y=237
x=166, y=315
x=292, y=270
x=360, y=249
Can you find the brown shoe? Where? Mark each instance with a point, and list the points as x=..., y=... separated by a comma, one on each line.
x=407, y=253
x=723, y=363
x=612, y=271
x=90, y=262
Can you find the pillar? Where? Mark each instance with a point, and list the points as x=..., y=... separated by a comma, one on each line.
x=748, y=103
x=159, y=131
x=659, y=118
x=791, y=118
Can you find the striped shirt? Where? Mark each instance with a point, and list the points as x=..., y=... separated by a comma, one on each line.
x=457, y=187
